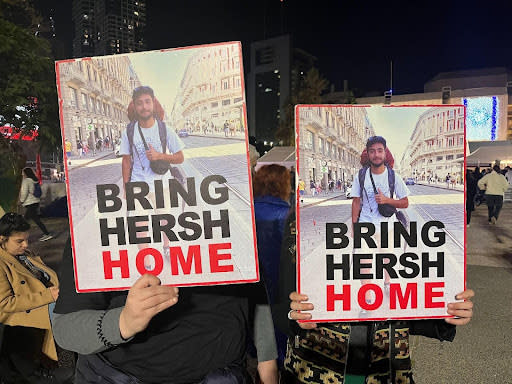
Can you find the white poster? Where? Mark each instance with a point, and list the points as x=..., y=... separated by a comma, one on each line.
x=167, y=188
x=381, y=229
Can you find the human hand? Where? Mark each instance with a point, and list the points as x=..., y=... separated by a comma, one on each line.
x=55, y=293
x=298, y=305
x=146, y=298
x=380, y=198
x=152, y=154
x=463, y=310
x=268, y=372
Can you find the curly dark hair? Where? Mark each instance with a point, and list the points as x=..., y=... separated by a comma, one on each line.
x=12, y=222
x=374, y=140
x=272, y=180
x=142, y=90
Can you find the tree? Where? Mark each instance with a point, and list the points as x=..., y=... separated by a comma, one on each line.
x=310, y=93
x=28, y=98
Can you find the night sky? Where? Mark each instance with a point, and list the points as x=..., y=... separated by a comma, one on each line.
x=353, y=40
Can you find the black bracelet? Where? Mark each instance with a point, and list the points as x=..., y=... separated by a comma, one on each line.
x=99, y=329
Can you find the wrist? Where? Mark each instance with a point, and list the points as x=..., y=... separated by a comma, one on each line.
x=124, y=330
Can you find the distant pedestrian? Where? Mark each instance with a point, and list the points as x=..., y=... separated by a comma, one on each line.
x=508, y=175
x=312, y=187
x=30, y=199
x=226, y=128
x=447, y=180
x=302, y=187
x=495, y=185
x=471, y=191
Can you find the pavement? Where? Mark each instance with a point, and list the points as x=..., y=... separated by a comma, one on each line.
x=481, y=350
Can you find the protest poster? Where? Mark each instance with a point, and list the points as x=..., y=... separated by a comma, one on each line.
x=128, y=117
x=355, y=261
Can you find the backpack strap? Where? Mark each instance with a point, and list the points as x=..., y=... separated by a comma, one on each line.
x=130, y=128
x=162, y=131
x=362, y=174
x=391, y=181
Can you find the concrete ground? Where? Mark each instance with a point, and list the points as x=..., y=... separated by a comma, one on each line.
x=481, y=352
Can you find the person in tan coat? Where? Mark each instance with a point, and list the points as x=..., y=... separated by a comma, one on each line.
x=27, y=286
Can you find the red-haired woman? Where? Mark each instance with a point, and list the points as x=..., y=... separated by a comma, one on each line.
x=272, y=190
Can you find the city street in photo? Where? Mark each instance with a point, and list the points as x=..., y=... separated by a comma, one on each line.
x=408, y=265
x=191, y=225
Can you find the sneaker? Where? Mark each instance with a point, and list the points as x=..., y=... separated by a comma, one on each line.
x=46, y=237
x=493, y=220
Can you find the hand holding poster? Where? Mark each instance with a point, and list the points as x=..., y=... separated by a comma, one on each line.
x=175, y=202
x=395, y=250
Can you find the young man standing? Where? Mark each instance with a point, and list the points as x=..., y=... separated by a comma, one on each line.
x=136, y=158
x=365, y=202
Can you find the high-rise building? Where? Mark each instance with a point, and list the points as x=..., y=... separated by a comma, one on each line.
x=277, y=71
x=105, y=27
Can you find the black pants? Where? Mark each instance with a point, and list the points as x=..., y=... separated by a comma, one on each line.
x=32, y=212
x=494, y=204
x=470, y=206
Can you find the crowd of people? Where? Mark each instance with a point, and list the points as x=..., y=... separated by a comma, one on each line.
x=487, y=185
x=161, y=334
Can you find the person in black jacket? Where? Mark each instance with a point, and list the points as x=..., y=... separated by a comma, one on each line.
x=378, y=352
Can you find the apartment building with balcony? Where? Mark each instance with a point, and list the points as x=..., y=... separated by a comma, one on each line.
x=436, y=145
x=331, y=139
x=95, y=95
x=211, y=90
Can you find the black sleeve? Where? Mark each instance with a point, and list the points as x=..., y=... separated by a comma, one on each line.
x=69, y=300
x=287, y=277
x=436, y=329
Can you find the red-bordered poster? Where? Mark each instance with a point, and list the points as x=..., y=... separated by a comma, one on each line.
x=157, y=167
x=381, y=226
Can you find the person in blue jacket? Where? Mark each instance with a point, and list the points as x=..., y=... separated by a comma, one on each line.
x=272, y=190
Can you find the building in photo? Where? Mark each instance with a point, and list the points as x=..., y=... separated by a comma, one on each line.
x=211, y=92
x=436, y=145
x=331, y=141
x=96, y=96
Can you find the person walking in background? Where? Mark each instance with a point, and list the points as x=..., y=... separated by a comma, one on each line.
x=471, y=190
x=302, y=188
x=312, y=187
x=30, y=197
x=495, y=186
x=508, y=174
x=226, y=128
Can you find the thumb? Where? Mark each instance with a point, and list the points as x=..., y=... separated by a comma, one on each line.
x=150, y=147
x=146, y=280
x=380, y=192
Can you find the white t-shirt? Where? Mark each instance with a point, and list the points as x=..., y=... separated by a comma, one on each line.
x=141, y=170
x=369, y=207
